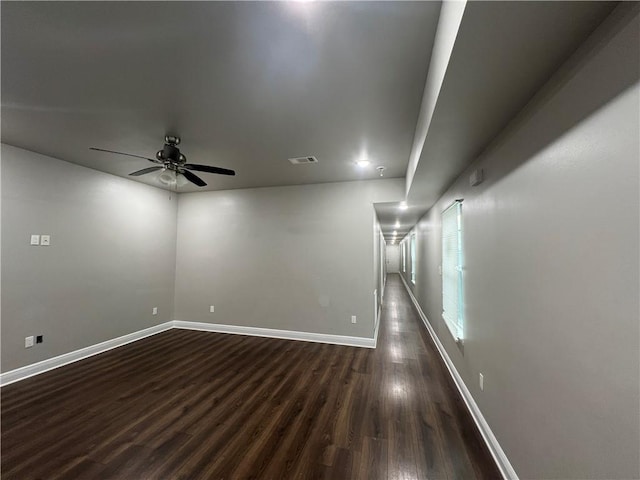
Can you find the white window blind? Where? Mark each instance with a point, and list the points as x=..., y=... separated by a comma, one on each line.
x=452, y=262
x=412, y=247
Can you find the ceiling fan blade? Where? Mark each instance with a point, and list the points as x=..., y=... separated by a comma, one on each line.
x=208, y=169
x=144, y=171
x=125, y=154
x=193, y=178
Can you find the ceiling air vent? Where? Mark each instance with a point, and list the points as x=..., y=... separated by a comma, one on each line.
x=303, y=160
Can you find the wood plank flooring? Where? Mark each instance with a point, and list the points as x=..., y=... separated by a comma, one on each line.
x=196, y=405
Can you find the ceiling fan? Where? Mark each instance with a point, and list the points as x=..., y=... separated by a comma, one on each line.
x=173, y=164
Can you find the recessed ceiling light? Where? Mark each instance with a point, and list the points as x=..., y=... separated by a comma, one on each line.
x=362, y=160
x=403, y=206
x=395, y=233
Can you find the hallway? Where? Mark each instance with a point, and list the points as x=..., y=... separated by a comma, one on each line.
x=428, y=429
x=199, y=405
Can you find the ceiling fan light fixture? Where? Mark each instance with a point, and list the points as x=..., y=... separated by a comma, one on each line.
x=181, y=181
x=167, y=177
x=171, y=178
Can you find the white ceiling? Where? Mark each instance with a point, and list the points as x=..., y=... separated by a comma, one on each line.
x=504, y=52
x=246, y=85
x=393, y=218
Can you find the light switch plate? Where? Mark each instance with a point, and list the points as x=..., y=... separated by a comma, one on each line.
x=35, y=239
x=45, y=240
x=28, y=342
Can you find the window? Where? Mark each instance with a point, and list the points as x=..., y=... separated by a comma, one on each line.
x=452, y=262
x=412, y=252
x=404, y=257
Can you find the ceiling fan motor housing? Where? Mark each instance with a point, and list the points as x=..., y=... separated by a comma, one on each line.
x=170, y=153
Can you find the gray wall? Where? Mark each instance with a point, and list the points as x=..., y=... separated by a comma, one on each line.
x=111, y=259
x=551, y=272
x=297, y=258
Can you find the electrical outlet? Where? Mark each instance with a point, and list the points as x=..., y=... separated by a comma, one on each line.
x=155, y=310
x=39, y=339
x=28, y=342
x=212, y=309
x=481, y=379
x=35, y=239
x=45, y=240
x=354, y=319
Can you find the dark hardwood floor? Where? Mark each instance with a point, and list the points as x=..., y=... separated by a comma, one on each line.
x=195, y=405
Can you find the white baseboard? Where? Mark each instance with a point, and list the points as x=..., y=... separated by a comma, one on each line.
x=377, y=329
x=283, y=334
x=505, y=467
x=66, y=358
